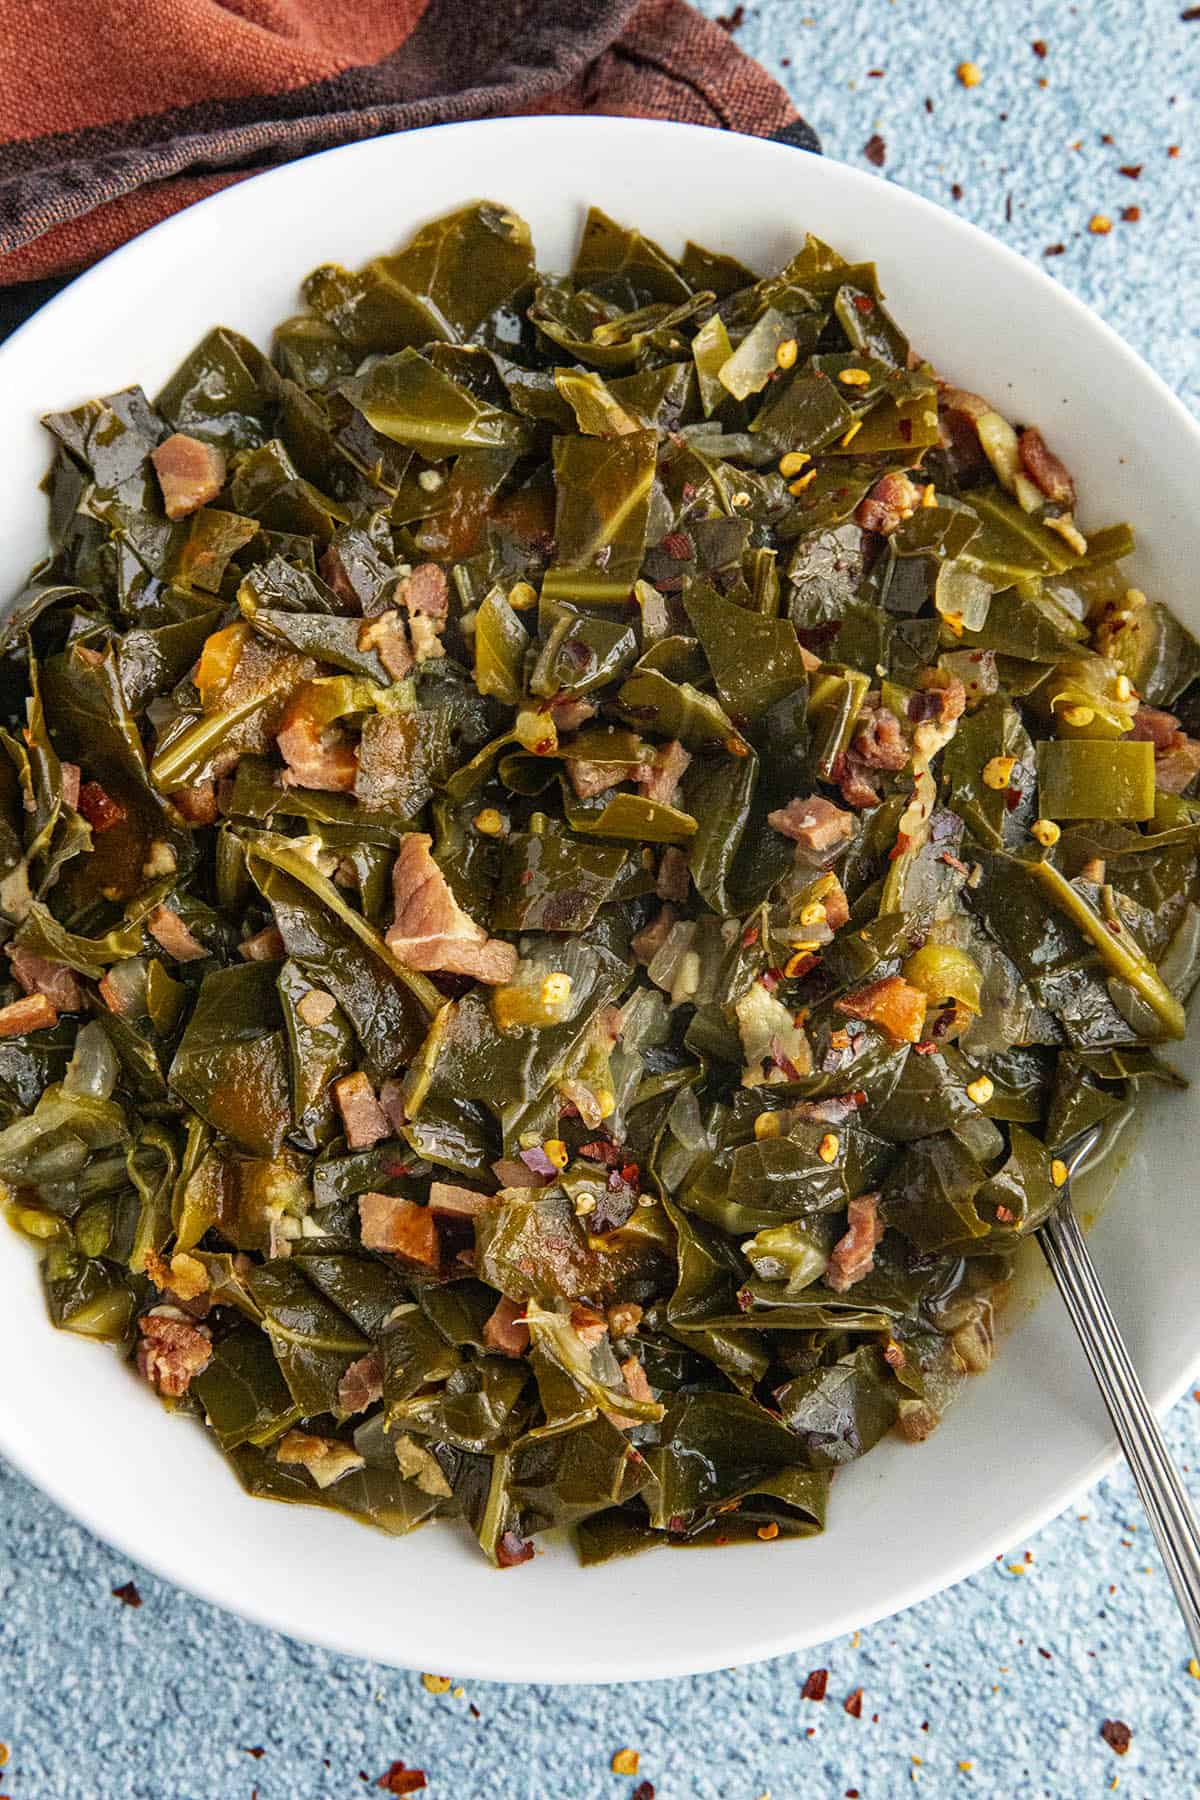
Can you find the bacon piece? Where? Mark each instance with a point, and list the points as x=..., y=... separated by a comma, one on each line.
x=892, y=1003
x=1045, y=470
x=674, y=875
x=316, y=1007
x=853, y=1256
x=879, y=739
x=98, y=808
x=589, y=1326
x=505, y=1330
x=513, y=1549
x=958, y=416
x=837, y=907
x=70, y=784
x=591, y=778
x=570, y=713
x=814, y=824
x=400, y=1227
x=855, y=780
x=33, y=1013
x=327, y=1459
x=265, y=946
x=430, y=929
x=198, y=804
x=190, y=473
x=1176, y=756
x=38, y=975
x=661, y=780
x=638, y=1388
x=362, y=1384
x=646, y=943
x=316, y=757
x=942, y=697
x=386, y=635
x=168, y=929
x=426, y=591
x=171, y=1352
x=449, y=1201
x=363, y=1119
x=893, y=499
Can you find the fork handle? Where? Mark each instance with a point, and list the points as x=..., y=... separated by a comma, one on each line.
x=1168, y=1506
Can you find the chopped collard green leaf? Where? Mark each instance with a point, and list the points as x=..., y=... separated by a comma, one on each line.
x=572, y=849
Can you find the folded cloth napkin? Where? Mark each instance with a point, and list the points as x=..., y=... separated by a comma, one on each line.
x=115, y=113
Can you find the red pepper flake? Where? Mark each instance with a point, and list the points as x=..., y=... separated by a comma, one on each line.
x=402, y=1780
x=956, y=192
x=1054, y=250
x=1172, y=150
x=643, y=1791
x=875, y=150
x=875, y=74
x=928, y=104
x=1130, y=215
x=853, y=1704
x=863, y=303
x=473, y=1710
x=1117, y=1734
x=1039, y=48
x=1046, y=1653
x=815, y=1685
x=851, y=1794
x=731, y=21
x=750, y=937
x=678, y=546
x=925, y=1048
x=630, y=1173
x=127, y=1594
x=1189, y=15
x=100, y=811
x=254, y=1750
x=1005, y=1215
x=1130, y=170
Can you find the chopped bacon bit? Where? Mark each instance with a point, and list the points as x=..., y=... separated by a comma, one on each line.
x=326, y=1459
x=426, y=591
x=853, y=1704
x=100, y=811
x=127, y=1594
x=893, y=499
x=943, y=695
x=1117, y=1734
x=1176, y=756
x=815, y=1684
x=198, y=804
x=813, y=824
x=315, y=1007
x=646, y=943
x=189, y=472
x=837, y=907
x=168, y=929
x=34, y=1013
x=892, y=1003
x=400, y=1227
x=674, y=875
x=589, y=1326
x=401, y=1780
x=505, y=1330
x=591, y=778
x=171, y=1352
x=386, y=635
x=265, y=946
x=513, y=1549
x=660, y=781
x=1045, y=470
x=879, y=739
x=451, y=1202
x=362, y=1384
x=363, y=1119
x=853, y=1255
x=38, y=975
x=316, y=756
x=431, y=931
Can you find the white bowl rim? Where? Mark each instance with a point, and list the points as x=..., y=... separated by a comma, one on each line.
x=25, y=1451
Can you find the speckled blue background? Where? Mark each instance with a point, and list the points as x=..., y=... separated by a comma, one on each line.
x=997, y=1689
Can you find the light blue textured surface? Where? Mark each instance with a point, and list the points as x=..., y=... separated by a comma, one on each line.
x=100, y=1702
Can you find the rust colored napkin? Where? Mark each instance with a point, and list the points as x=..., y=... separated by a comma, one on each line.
x=114, y=113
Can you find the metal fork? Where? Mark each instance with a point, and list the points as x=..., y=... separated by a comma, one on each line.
x=1168, y=1508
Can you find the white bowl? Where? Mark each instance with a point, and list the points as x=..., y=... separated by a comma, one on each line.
x=1024, y=1439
